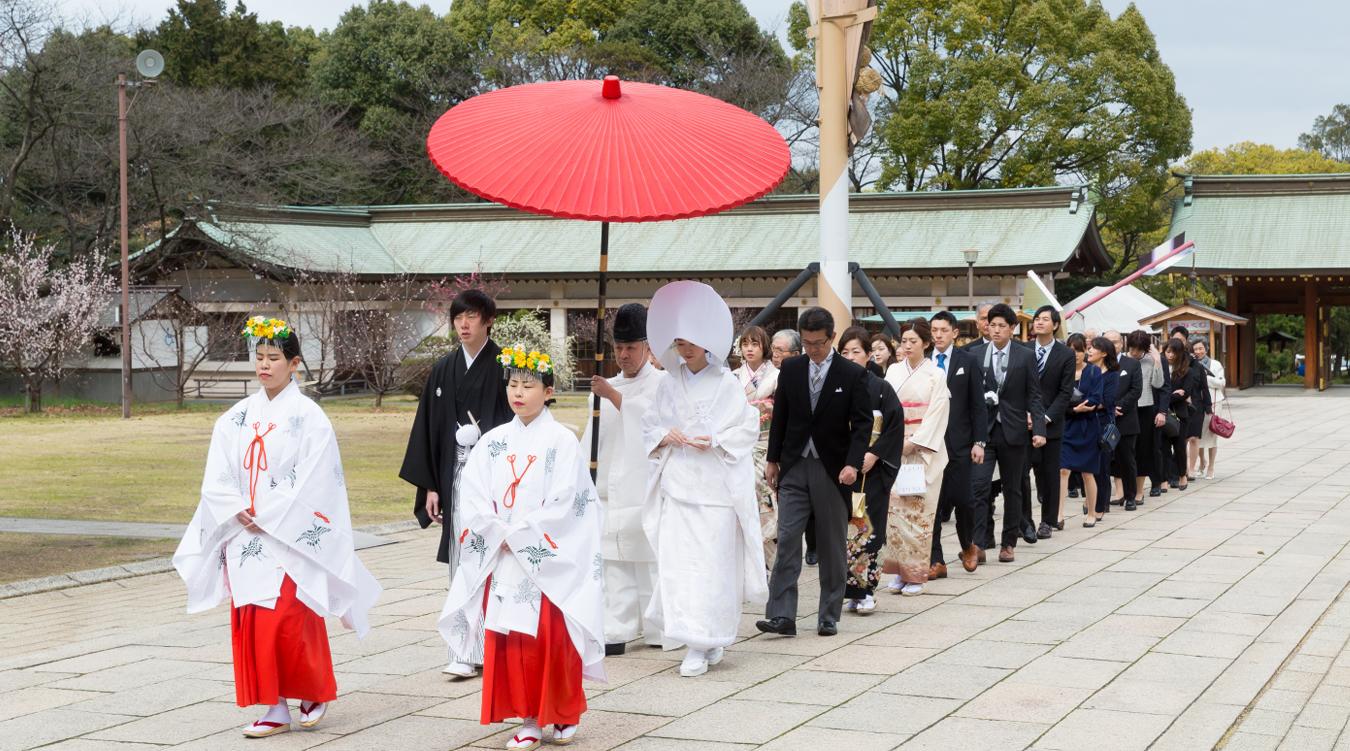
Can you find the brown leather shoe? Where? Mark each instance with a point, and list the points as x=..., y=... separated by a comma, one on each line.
x=937, y=571
x=1005, y=554
x=982, y=559
x=970, y=557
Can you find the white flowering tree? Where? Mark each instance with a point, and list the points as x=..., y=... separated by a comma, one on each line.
x=48, y=312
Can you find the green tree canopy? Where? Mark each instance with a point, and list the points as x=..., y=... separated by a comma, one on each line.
x=1330, y=134
x=709, y=45
x=1013, y=93
x=206, y=46
x=1249, y=158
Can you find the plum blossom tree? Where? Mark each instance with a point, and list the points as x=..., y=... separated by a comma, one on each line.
x=48, y=313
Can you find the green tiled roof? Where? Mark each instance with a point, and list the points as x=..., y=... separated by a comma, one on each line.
x=1037, y=228
x=1265, y=223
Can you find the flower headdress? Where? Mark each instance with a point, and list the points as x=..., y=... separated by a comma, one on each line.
x=533, y=361
x=260, y=328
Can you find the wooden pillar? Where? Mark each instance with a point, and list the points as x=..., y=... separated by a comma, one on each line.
x=1312, y=335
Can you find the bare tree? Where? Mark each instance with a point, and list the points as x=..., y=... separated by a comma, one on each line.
x=377, y=341
x=176, y=339
x=47, y=313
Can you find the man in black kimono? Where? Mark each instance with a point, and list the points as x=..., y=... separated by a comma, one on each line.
x=465, y=388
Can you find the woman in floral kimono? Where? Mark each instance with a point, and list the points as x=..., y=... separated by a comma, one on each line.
x=273, y=534
x=530, y=572
x=759, y=378
x=922, y=388
x=867, y=532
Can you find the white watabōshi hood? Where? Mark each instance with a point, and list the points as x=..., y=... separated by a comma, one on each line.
x=692, y=311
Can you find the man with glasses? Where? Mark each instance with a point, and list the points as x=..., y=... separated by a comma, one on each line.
x=822, y=423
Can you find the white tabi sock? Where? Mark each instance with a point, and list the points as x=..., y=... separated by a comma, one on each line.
x=279, y=712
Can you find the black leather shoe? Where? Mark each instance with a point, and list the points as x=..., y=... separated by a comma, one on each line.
x=1043, y=531
x=780, y=625
x=1155, y=492
x=1073, y=493
x=1175, y=485
x=613, y=650
x=811, y=558
x=827, y=628
x=1130, y=505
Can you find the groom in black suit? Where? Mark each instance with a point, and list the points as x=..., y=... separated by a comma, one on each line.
x=822, y=421
x=1016, y=422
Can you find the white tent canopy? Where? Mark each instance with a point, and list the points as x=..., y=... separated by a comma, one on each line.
x=1120, y=310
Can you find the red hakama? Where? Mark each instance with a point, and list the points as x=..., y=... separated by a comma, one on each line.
x=537, y=676
x=281, y=651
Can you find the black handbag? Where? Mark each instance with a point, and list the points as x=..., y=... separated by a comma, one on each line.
x=1110, y=438
x=1171, y=426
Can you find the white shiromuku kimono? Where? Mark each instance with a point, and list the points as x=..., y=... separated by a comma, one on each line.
x=283, y=454
x=621, y=482
x=701, y=515
x=528, y=527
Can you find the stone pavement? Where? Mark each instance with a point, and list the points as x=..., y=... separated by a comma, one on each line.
x=1215, y=616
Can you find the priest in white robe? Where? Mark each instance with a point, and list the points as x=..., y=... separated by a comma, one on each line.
x=622, y=472
x=701, y=516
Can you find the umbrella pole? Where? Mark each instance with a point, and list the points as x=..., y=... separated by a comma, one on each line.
x=599, y=345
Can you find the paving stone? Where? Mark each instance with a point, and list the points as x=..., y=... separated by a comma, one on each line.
x=965, y=732
x=887, y=713
x=1104, y=730
x=858, y=658
x=811, y=687
x=991, y=654
x=1019, y=701
x=808, y=736
x=51, y=725
x=739, y=721
x=943, y=681
x=667, y=695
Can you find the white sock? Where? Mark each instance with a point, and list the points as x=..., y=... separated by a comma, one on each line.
x=279, y=712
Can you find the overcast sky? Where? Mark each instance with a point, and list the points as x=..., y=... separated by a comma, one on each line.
x=1254, y=70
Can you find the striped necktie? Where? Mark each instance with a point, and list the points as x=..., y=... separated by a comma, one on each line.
x=1040, y=358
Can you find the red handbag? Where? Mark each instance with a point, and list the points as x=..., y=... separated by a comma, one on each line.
x=1221, y=427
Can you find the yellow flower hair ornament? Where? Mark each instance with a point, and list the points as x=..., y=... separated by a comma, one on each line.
x=259, y=327
x=518, y=359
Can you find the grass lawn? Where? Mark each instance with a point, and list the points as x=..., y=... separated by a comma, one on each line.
x=30, y=556
x=84, y=462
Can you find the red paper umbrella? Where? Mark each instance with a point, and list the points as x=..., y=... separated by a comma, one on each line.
x=583, y=150
x=607, y=153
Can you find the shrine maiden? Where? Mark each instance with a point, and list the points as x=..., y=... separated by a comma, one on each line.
x=529, y=581
x=621, y=480
x=701, y=515
x=273, y=534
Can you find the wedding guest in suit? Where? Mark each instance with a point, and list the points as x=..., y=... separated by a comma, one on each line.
x=1013, y=394
x=1127, y=420
x=822, y=423
x=1102, y=355
x=1190, y=396
x=967, y=432
x=1149, y=419
x=1055, y=365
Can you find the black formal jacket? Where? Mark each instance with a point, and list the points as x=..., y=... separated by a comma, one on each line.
x=1056, y=383
x=450, y=394
x=1162, y=396
x=968, y=416
x=1197, y=393
x=1131, y=387
x=1019, y=397
x=840, y=425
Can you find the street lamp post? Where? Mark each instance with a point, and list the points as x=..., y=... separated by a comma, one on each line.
x=149, y=64
x=972, y=255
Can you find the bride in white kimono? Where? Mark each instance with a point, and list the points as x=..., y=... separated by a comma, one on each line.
x=701, y=515
x=273, y=535
x=530, y=576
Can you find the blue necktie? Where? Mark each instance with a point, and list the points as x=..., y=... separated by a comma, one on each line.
x=942, y=361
